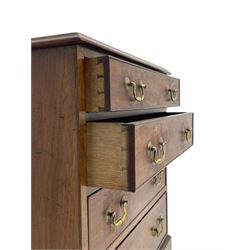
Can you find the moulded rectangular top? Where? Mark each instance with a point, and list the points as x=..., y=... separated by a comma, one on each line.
x=77, y=38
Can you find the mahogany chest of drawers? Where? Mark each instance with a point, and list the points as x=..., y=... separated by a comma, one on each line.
x=101, y=141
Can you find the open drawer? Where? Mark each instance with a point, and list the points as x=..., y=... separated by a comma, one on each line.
x=124, y=153
x=112, y=84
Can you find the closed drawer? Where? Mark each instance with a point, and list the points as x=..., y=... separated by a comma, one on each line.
x=115, y=85
x=149, y=233
x=124, y=153
x=103, y=228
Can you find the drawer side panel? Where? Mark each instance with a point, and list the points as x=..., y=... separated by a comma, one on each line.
x=107, y=155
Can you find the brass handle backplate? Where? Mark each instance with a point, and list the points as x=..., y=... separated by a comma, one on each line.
x=188, y=135
x=156, y=231
x=173, y=94
x=154, y=152
x=113, y=217
x=141, y=86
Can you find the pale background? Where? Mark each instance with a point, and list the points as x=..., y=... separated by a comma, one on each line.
x=204, y=43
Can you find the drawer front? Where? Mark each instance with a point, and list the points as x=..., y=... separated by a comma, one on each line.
x=115, y=85
x=151, y=230
x=102, y=228
x=150, y=155
x=125, y=155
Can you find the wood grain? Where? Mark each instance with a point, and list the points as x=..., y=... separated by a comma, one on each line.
x=56, y=206
x=94, y=82
x=141, y=237
x=105, y=79
x=171, y=129
x=123, y=160
x=135, y=222
x=82, y=150
x=156, y=92
x=87, y=42
x=107, y=199
x=107, y=155
x=62, y=78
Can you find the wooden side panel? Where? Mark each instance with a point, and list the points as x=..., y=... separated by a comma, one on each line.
x=56, y=208
x=107, y=155
x=82, y=148
x=107, y=199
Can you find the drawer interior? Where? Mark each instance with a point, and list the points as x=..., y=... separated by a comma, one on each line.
x=138, y=118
